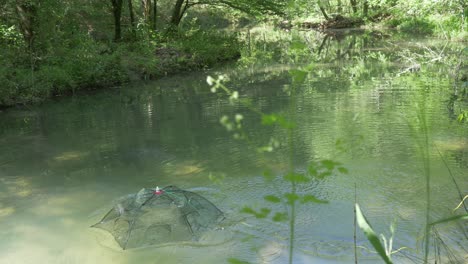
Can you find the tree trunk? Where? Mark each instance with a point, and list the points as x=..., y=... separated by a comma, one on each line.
x=117, y=11
x=155, y=13
x=146, y=4
x=353, y=6
x=26, y=18
x=324, y=13
x=177, y=13
x=365, y=8
x=132, y=16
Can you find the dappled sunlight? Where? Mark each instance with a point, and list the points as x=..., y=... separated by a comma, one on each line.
x=270, y=252
x=71, y=155
x=452, y=144
x=6, y=210
x=47, y=244
x=16, y=187
x=184, y=168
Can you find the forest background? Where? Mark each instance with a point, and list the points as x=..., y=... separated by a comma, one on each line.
x=54, y=48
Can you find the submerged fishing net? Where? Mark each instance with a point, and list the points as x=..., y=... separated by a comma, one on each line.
x=158, y=216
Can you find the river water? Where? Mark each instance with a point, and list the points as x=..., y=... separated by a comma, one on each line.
x=63, y=163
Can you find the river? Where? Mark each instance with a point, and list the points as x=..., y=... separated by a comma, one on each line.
x=63, y=163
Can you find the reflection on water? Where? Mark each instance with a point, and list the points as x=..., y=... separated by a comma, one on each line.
x=64, y=163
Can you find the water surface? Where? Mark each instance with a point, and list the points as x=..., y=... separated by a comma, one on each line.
x=64, y=162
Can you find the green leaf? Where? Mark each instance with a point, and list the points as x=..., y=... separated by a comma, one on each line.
x=280, y=217
x=370, y=234
x=297, y=45
x=450, y=219
x=237, y=261
x=312, y=170
x=343, y=170
x=298, y=76
x=329, y=164
x=248, y=210
x=291, y=197
x=324, y=174
x=272, y=119
x=268, y=175
x=296, y=177
x=272, y=198
x=310, y=198
x=269, y=119
x=264, y=212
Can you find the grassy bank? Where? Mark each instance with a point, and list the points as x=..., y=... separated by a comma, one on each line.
x=86, y=64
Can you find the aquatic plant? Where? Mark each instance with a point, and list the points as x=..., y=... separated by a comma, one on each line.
x=288, y=198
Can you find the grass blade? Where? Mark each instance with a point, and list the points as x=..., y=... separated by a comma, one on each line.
x=371, y=235
x=450, y=219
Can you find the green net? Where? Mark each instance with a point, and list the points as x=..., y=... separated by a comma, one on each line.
x=158, y=216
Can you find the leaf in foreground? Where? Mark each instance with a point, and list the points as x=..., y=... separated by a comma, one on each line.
x=370, y=234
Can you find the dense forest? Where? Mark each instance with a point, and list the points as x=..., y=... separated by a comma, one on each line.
x=51, y=48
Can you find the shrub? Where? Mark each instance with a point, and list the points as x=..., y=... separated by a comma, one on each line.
x=417, y=25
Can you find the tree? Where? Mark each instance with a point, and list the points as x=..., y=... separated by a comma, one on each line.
x=178, y=12
x=27, y=13
x=132, y=16
x=155, y=13
x=150, y=12
x=252, y=7
x=117, y=12
x=322, y=9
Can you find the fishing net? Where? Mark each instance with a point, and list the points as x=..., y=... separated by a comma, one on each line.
x=158, y=216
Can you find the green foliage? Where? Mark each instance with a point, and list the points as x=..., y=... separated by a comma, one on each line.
x=417, y=25
x=450, y=219
x=463, y=116
x=10, y=35
x=35, y=79
x=208, y=47
x=287, y=198
x=365, y=226
x=237, y=261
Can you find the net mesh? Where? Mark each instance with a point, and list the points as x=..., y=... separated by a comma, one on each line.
x=154, y=216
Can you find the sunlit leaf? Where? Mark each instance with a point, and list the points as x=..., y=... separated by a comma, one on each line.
x=272, y=198
x=238, y=118
x=311, y=199
x=371, y=235
x=269, y=119
x=210, y=80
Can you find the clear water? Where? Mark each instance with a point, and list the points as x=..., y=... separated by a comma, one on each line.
x=64, y=162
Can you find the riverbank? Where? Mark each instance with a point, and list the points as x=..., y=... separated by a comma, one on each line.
x=34, y=76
